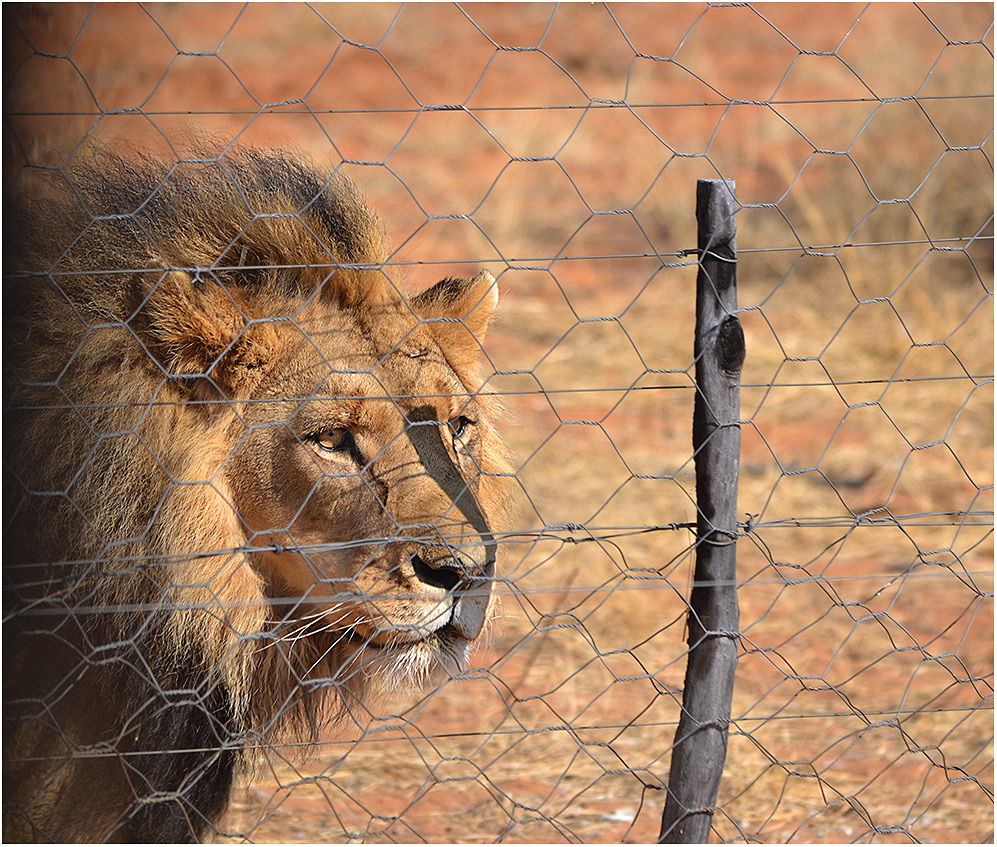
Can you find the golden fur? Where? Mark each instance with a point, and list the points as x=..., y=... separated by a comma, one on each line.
x=246, y=480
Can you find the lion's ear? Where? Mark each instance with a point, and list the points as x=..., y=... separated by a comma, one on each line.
x=191, y=322
x=458, y=306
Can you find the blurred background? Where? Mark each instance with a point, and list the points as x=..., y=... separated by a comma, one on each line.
x=558, y=146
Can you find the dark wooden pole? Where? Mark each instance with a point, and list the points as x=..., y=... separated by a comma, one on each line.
x=701, y=738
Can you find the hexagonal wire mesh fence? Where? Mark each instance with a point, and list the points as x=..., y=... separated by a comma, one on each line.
x=558, y=147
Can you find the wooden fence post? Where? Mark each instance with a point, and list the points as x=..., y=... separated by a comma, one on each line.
x=700, y=746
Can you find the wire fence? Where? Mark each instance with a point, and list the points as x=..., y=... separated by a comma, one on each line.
x=558, y=147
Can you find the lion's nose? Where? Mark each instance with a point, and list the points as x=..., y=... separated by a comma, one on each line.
x=451, y=570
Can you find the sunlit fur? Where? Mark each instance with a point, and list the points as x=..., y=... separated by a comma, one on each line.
x=183, y=568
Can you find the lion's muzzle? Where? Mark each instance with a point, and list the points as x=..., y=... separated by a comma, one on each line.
x=466, y=578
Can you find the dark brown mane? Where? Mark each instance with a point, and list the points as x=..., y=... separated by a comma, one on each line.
x=262, y=212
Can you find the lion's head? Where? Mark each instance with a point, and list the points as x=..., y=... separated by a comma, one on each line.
x=244, y=465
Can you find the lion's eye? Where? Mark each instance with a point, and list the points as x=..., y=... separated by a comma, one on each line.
x=338, y=440
x=460, y=425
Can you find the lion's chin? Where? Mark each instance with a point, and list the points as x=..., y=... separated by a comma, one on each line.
x=396, y=668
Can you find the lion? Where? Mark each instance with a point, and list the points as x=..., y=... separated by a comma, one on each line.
x=248, y=483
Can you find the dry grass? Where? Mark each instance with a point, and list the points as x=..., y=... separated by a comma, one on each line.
x=862, y=708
